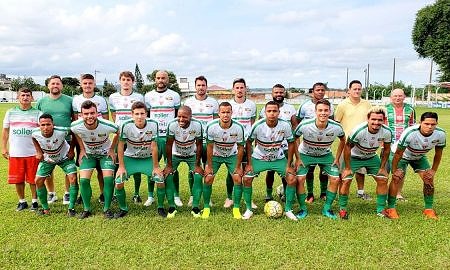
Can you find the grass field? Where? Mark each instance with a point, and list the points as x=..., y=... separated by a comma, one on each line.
x=143, y=240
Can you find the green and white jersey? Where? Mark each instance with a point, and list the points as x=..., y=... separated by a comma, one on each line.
x=317, y=142
x=162, y=106
x=286, y=112
x=55, y=147
x=244, y=113
x=102, y=105
x=60, y=109
x=308, y=110
x=416, y=145
x=138, y=140
x=203, y=110
x=269, y=140
x=95, y=141
x=225, y=140
x=121, y=105
x=184, y=144
x=366, y=143
x=21, y=124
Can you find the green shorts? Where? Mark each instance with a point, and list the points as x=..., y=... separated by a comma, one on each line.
x=421, y=164
x=138, y=165
x=324, y=162
x=45, y=169
x=278, y=166
x=372, y=165
x=230, y=162
x=90, y=162
x=161, y=141
x=190, y=161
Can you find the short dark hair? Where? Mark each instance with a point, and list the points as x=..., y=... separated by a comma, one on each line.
x=138, y=105
x=46, y=116
x=278, y=86
x=324, y=102
x=53, y=77
x=24, y=90
x=272, y=102
x=426, y=115
x=225, y=104
x=128, y=74
x=87, y=104
x=201, y=78
x=353, y=82
x=185, y=108
x=319, y=84
x=87, y=76
x=239, y=80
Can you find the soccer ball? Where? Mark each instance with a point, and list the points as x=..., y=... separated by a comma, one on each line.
x=273, y=209
x=280, y=191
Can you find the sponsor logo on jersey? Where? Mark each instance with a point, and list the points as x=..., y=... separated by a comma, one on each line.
x=101, y=135
x=330, y=134
x=22, y=131
x=169, y=98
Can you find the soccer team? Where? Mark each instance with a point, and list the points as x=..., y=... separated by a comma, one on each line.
x=205, y=134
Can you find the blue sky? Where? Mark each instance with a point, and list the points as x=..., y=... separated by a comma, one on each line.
x=295, y=43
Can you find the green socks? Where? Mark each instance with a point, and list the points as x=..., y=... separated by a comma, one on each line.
x=330, y=198
x=196, y=190
x=207, y=190
x=310, y=185
x=392, y=200
x=73, y=194
x=248, y=197
x=290, y=194
x=301, y=200
x=86, y=193
x=162, y=193
x=381, y=202
x=428, y=201
x=237, y=196
x=137, y=183
x=151, y=187
x=42, y=195
x=343, y=201
x=108, y=191
x=269, y=192
x=122, y=199
x=169, y=190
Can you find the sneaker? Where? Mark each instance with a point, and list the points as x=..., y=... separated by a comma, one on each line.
x=343, y=214
x=21, y=206
x=101, y=198
x=85, y=214
x=120, y=214
x=149, y=201
x=137, y=199
x=178, y=201
x=228, y=203
x=43, y=212
x=108, y=214
x=302, y=214
x=66, y=199
x=206, y=212
x=329, y=214
x=196, y=212
x=211, y=204
x=254, y=206
x=79, y=200
x=52, y=198
x=162, y=212
x=309, y=198
x=364, y=197
x=237, y=213
x=323, y=196
x=71, y=213
x=382, y=214
x=247, y=215
x=290, y=215
x=191, y=199
x=400, y=198
x=283, y=198
x=34, y=206
x=172, y=212
x=268, y=198
x=391, y=213
x=430, y=213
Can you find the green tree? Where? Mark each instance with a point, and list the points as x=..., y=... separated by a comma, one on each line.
x=431, y=35
x=28, y=82
x=173, y=83
x=108, y=89
x=139, y=79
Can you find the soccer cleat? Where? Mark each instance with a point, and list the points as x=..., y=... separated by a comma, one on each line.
x=101, y=198
x=302, y=214
x=22, y=206
x=247, y=215
x=178, y=201
x=43, y=212
x=137, y=199
x=191, y=199
x=228, y=203
x=206, y=212
x=85, y=214
x=343, y=214
x=196, y=212
x=391, y=213
x=323, y=196
x=34, y=206
x=382, y=214
x=120, y=214
x=400, y=198
x=430, y=213
x=108, y=214
x=237, y=213
x=66, y=199
x=268, y=198
x=211, y=204
x=171, y=213
x=162, y=212
x=71, y=213
x=364, y=196
x=309, y=198
x=149, y=201
x=283, y=198
x=254, y=206
x=52, y=198
x=329, y=214
x=79, y=200
x=290, y=215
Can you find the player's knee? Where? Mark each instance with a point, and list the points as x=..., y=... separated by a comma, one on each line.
x=209, y=180
x=120, y=186
x=247, y=181
x=39, y=182
x=301, y=180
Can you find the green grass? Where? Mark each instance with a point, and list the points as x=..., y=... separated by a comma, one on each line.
x=143, y=240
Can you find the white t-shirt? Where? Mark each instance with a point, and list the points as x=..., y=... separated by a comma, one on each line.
x=286, y=112
x=102, y=105
x=244, y=113
x=203, y=110
x=416, y=145
x=138, y=140
x=225, y=141
x=55, y=147
x=162, y=107
x=366, y=143
x=95, y=141
x=121, y=105
x=184, y=144
x=308, y=110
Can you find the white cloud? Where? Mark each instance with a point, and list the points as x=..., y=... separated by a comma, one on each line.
x=171, y=44
x=289, y=17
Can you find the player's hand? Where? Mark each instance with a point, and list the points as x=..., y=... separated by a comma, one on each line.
x=383, y=173
x=112, y=155
x=199, y=170
x=157, y=171
x=298, y=164
x=121, y=171
x=239, y=171
x=208, y=170
x=346, y=172
x=81, y=155
x=336, y=163
x=70, y=154
x=5, y=154
x=398, y=175
x=428, y=176
x=167, y=170
x=248, y=168
x=39, y=156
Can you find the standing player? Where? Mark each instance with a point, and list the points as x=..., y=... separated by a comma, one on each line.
x=204, y=109
x=59, y=106
x=92, y=134
x=307, y=111
x=21, y=155
x=139, y=134
x=184, y=144
x=120, y=103
x=412, y=147
x=269, y=134
x=400, y=115
x=350, y=113
x=225, y=145
x=163, y=104
x=315, y=149
x=287, y=113
x=52, y=149
x=360, y=152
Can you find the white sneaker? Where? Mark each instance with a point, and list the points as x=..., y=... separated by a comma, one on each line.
x=52, y=198
x=290, y=215
x=247, y=215
x=211, y=203
x=254, y=206
x=191, y=199
x=228, y=203
x=178, y=201
x=66, y=199
x=149, y=201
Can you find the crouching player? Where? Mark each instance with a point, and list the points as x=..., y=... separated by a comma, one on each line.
x=315, y=149
x=184, y=144
x=412, y=147
x=92, y=134
x=268, y=134
x=139, y=134
x=52, y=149
x=360, y=152
x=225, y=145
